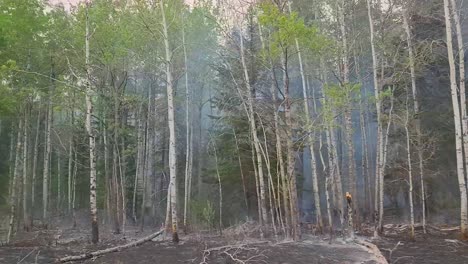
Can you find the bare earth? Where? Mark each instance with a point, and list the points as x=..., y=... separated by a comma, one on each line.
x=48, y=246
x=211, y=249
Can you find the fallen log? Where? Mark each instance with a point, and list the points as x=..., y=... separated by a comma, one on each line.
x=109, y=250
x=373, y=249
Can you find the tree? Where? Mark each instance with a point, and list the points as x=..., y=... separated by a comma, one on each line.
x=90, y=132
x=457, y=122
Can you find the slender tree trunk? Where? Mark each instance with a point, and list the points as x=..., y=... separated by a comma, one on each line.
x=26, y=186
x=91, y=136
x=35, y=158
x=110, y=199
x=384, y=161
x=244, y=188
x=458, y=128
x=70, y=159
x=282, y=186
x=410, y=168
x=311, y=139
x=253, y=128
x=75, y=171
x=122, y=173
x=11, y=163
x=59, y=182
x=145, y=171
x=14, y=188
x=461, y=70
x=296, y=231
x=138, y=161
x=220, y=190
x=115, y=161
x=188, y=132
x=416, y=113
x=172, y=135
x=257, y=188
x=271, y=194
x=47, y=154
x=348, y=112
x=379, y=168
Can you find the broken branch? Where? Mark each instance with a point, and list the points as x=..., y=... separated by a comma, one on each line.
x=109, y=250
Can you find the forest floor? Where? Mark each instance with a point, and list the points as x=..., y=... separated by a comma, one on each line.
x=46, y=246
x=435, y=246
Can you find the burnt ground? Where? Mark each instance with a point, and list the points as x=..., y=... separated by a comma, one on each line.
x=435, y=246
x=46, y=246
x=211, y=249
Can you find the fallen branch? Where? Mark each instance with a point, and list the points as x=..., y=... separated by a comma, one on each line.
x=109, y=250
x=232, y=251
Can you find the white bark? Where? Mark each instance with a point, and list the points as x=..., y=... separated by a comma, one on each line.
x=378, y=106
x=253, y=128
x=461, y=72
x=291, y=174
x=282, y=185
x=311, y=139
x=35, y=158
x=220, y=189
x=188, y=172
x=26, y=186
x=410, y=169
x=70, y=161
x=416, y=112
x=139, y=161
x=46, y=171
x=457, y=122
x=171, y=123
x=92, y=139
x=14, y=187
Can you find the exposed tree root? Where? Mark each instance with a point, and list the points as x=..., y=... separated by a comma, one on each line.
x=109, y=250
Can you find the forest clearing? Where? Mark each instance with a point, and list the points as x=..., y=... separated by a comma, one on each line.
x=233, y=131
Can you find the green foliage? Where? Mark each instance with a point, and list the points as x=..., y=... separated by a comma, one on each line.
x=285, y=29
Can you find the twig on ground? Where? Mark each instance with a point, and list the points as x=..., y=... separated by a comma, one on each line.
x=233, y=251
x=37, y=256
x=393, y=249
x=26, y=256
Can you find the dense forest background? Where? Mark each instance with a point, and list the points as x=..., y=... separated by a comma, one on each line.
x=204, y=116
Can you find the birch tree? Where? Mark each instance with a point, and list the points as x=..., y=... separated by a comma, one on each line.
x=90, y=132
x=457, y=122
x=171, y=124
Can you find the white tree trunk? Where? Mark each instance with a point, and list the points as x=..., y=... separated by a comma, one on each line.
x=378, y=106
x=416, y=112
x=14, y=181
x=171, y=123
x=26, y=186
x=253, y=128
x=410, y=170
x=291, y=174
x=310, y=137
x=70, y=161
x=188, y=152
x=282, y=181
x=139, y=161
x=35, y=158
x=457, y=122
x=352, y=186
x=92, y=139
x=46, y=172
